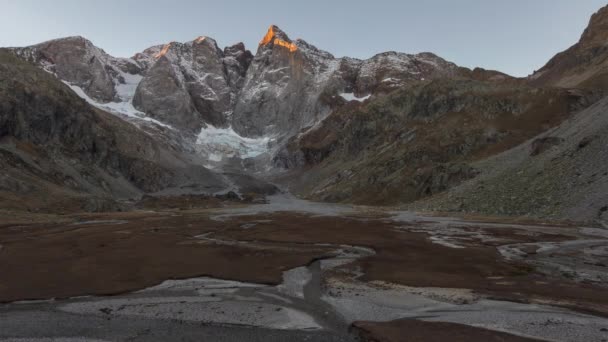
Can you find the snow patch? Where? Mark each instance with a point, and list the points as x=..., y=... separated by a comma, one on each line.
x=352, y=97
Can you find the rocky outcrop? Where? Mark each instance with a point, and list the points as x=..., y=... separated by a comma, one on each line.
x=544, y=144
x=292, y=84
x=584, y=64
x=236, y=61
x=62, y=148
x=77, y=61
x=288, y=86
x=283, y=86
x=391, y=70
x=418, y=141
x=190, y=85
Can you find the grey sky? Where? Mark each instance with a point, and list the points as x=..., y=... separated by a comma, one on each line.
x=514, y=36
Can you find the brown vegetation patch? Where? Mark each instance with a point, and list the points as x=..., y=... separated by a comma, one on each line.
x=111, y=257
x=421, y=331
x=114, y=253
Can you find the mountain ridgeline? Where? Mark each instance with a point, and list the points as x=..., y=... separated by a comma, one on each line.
x=286, y=86
x=396, y=128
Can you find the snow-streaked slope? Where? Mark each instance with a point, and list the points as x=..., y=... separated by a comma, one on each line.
x=122, y=109
x=227, y=103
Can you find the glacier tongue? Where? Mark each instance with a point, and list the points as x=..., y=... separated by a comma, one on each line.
x=220, y=143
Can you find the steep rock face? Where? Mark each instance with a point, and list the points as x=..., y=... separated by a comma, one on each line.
x=77, y=61
x=58, y=145
x=282, y=87
x=584, y=64
x=183, y=85
x=236, y=61
x=230, y=104
x=292, y=84
x=187, y=86
x=147, y=58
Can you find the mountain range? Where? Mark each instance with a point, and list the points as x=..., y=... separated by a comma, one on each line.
x=83, y=130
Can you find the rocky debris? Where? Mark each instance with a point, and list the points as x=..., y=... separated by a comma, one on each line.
x=229, y=196
x=249, y=185
x=566, y=181
x=442, y=177
x=255, y=193
x=98, y=205
x=586, y=141
x=182, y=202
x=603, y=216
x=541, y=145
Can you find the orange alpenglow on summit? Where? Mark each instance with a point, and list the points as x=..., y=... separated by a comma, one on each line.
x=163, y=52
x=271, y=37
x=291, y=46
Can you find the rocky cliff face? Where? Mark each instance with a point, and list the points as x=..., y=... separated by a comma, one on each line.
x=57, y=150
x=292, y=85
x=584, y=64
x=183, y=85
x=288, y=85
x=283, y=87
x=193, y=84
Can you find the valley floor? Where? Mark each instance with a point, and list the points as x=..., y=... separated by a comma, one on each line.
x=299, y=271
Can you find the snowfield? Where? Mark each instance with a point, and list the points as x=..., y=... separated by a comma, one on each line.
x=352, y=97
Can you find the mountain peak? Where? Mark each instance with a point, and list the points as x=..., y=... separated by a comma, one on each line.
x=165, y=49
x=200, y=39
x=275, y=36
x=70, y=40
x=273, y=33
